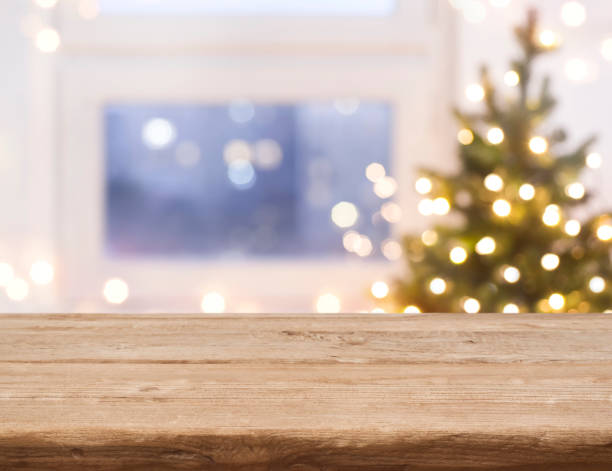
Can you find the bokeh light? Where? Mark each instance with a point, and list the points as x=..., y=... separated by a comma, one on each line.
x=47, y=40
x=471, y=306
x=328, y=304
x=379, y=289
x=486, y=246
x=158, y=133
x=475, y=92
x=116, y=291
x=550, y=261
x=344, y=214
x=526, y=191
x=7, y=274
x=495, y=136
x=17, y=289
x=213, y=303
x=437, y=286
x=42, y=272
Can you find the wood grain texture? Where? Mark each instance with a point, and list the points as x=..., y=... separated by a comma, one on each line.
x=306, y=393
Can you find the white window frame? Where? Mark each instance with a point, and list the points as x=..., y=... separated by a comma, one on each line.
x=410, y=72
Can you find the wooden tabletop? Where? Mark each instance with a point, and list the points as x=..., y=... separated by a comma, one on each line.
x=306, y=393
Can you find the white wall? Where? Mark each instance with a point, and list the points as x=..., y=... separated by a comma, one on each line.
x=585, y=108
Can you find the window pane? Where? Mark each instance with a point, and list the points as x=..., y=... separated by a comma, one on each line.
x=251, y=7
x=244, y=179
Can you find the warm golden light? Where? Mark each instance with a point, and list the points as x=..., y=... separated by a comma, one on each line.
x=495, y=136
x=597, y=284
x=573, y=13
x=423, y=185
x=550, y=261
x=556, y=301
x=213, y=303
x=538, y=145
x=512, y=274
x=412, y=309
x=502, y=208
x=429, y=237
x=594, y=160
x=437, y=286
x=328, y=304
x=552, y=215
x=365, y=246
x=493, y=182
x=116, y=291
x=575, y=190
x=548, y=38
x=391, y=212
x=572, y=227
x=47, y=40
x=441, y=206
x=392, y=250
x=17, y=289
x=512, y=78
x=475, y=92
x=604, y=232
x=471, y=306
x=351, y=241
x=485, y=246
x=379, y=289
x=375, y=172
x=344, y=214
x=385, y=187
x=41, y=272
x=465, y=137
x=458, y=255
x=511, y=308
x=527, y=192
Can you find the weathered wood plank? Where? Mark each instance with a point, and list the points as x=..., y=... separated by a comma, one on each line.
x=306, y=392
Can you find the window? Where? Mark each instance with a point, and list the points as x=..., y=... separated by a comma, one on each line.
x=250, y=7
x=244, y=179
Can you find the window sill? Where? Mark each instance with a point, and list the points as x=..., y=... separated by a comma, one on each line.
x=427, y=392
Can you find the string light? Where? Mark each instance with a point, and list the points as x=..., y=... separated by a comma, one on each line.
x=328, y=304
x=375, y=172
x=391, y=212
x=213, y=303
x=437, y=286
x=426, y=207
x=573, y=14
x=575, y=190
x=41, y=272
x=572, y=227
x=512, y=78
x=441, y=206
x=344, y=214
x=538, y=145
x=495, y=136
x=471, y=306
x=552, y=215
x=493, y=182
x=47, y=40
x=412, y=309
x=392, y=250
x=604, y=232
x=17, y=289
x=594, y=160
x=364, y=247
x=550, y=261
x=429, y=237
x=511, y=308
x=597, y=284
x=502, y=208
x=526, y=192
x=548, y=38
x=351, y=241
x=556, y=301
x=485, y=246
x=7, y=274
x=475, y=92
x=379, y=289
x=512, y=274
x=465, y=137
x=385, y=187
x=458, y=255
x=423, y=185
x=116, y=291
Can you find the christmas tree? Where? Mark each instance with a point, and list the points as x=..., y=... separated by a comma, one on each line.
x=511, y=243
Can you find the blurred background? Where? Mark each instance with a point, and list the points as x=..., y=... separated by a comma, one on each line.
x=250, y=155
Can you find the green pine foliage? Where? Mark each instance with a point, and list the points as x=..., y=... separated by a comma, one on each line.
x=532, y=259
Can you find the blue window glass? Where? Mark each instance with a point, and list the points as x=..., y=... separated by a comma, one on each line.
x=243, y=179
x=251, y=7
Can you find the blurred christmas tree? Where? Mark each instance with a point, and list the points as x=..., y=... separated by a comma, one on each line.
x=511, y=244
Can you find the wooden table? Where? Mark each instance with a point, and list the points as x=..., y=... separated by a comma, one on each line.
x=305, y=393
